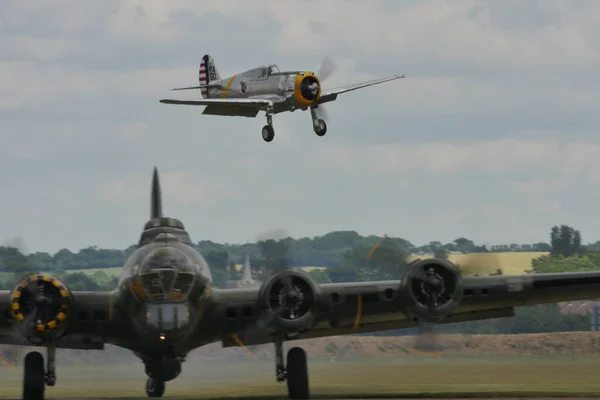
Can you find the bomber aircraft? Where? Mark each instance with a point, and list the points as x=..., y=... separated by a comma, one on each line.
x=266, y=88
x=166, y=305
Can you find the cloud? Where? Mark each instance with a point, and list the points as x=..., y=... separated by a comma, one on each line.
x=501, y=156
x=493, y=135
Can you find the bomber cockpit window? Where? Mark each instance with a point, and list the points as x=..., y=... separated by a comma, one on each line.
x=167, y=285
x=167, y=274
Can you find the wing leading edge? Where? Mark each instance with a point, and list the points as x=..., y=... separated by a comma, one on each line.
x=331, y=94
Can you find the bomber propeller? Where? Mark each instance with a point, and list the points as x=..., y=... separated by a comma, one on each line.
x=14, y=260
x=432, y=291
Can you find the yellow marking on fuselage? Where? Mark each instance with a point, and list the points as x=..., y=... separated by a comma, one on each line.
x=226, y=90
x=358, y=312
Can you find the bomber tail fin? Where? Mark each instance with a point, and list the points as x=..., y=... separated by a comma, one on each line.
x=207, y=74
x=155, y=197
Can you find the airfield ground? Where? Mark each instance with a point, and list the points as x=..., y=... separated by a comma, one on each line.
x=541, y=365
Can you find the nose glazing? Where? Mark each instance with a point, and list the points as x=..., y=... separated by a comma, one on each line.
x=167, y=275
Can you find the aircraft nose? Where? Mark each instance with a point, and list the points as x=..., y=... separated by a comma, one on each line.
x=167, y=275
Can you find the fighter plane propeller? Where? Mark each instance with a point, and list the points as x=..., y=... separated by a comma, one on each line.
x=266, y=88
x=165, y=305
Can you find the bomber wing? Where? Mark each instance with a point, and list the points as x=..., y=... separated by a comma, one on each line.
x=243, y=318
x=90, y=319
x=331, y=94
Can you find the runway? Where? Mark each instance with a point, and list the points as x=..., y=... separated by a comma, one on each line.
x=318, y=397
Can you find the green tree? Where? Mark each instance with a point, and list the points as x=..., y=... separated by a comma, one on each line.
x=565, y=241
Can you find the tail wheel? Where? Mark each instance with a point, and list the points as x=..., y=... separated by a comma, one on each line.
x=297, y=374
x=34, y=377
x=155, y=388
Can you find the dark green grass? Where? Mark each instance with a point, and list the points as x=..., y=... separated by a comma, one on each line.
x=388, y=377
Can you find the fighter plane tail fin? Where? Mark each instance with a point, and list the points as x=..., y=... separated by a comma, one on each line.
x=208, y=74
x=155, y=197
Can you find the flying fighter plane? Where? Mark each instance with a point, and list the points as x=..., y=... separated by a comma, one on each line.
x=166, y=305
x=268, y=89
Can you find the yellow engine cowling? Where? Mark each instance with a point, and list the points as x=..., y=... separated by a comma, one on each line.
x=40, y=306
x=307, y=89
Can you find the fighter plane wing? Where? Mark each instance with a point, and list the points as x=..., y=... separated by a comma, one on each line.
x=87, y=321
x=331, y=94
x=360, y=307
x=248, y=107
x=248, y=102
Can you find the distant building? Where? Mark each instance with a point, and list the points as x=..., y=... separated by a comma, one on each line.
x=246, y=281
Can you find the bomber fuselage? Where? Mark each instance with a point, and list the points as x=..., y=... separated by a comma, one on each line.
x=163, y=293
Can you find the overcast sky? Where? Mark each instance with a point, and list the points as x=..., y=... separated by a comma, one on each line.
x=493, y=135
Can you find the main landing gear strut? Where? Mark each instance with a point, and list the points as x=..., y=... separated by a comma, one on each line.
x=35, y=376
x=296, y=373
x=319, y=126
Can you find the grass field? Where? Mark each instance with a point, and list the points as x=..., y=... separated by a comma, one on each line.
x=465, y=376
x=510, y=263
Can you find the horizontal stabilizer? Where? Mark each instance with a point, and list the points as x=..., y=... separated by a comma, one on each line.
x=208, y=86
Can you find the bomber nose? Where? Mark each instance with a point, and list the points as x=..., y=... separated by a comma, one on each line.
x=167, y=275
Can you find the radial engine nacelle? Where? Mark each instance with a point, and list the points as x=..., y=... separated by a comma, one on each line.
x=290, y=300
x=40, y=307
x=431, y=289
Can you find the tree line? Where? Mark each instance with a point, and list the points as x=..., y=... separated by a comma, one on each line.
x=329, y=250
x=357, y=258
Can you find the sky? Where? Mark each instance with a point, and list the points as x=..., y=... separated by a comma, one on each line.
x=493, y=135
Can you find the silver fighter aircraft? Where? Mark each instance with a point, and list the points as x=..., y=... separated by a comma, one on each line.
x=268, y=89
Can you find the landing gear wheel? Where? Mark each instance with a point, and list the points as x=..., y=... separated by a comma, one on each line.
x=155, y=388
x=34, y=379
x=268, y=133
x=321, y=128
x=297, y=374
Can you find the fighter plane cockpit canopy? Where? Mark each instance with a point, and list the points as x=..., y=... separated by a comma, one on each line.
x=261, y=72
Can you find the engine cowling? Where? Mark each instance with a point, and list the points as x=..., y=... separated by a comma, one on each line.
x=291, y=300
x=307, y=89
x=431, y=289
x=40, y=307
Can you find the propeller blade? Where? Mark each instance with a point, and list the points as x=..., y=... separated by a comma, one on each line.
x=326, y=69
x=427, y=341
